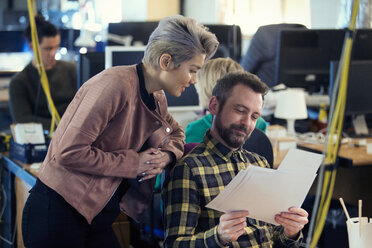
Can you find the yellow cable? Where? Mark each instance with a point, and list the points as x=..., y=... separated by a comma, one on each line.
x=335, y=127
x=40, y=67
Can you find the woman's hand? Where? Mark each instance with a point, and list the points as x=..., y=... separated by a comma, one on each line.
x=152, y=162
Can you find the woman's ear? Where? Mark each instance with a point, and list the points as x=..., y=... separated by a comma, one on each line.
x=213, y=105
x=165, y=62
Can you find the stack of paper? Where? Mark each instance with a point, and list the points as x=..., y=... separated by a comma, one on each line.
x=266, y=192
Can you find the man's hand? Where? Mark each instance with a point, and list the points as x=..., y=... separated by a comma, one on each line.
x=231, y=226
x=293, y=221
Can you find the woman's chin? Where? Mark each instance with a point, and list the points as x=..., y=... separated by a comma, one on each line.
x=175, y=94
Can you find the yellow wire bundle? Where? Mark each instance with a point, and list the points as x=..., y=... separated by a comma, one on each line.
x=332, y=144
x=40, y=67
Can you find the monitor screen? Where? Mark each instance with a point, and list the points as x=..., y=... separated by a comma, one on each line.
x=13, y=41
x=229, y=36
x=139, y=31
x=188, y=101
x=304, y=56
x=230, y=39
x=89, y=64
x=359, y=100
x=123, y=55
x=362, y=46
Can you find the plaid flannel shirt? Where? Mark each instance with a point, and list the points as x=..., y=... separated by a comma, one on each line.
x=194, y=182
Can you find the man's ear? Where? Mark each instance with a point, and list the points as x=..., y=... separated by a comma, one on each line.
x=213, y=105
x=165, y=61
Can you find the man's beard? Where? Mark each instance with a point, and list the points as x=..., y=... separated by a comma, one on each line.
x=227, y=133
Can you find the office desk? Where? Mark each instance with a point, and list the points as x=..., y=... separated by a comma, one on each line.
x=354, y=173
x=350, y=154
x=18, y=179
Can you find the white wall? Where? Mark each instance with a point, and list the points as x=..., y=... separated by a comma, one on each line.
x=134, y=10
x=324, y=13
x=204, y=11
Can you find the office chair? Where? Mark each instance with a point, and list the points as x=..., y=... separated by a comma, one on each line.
x=259, y=143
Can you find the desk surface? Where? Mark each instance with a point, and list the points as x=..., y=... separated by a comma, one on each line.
x=21, y=170
x=349, y=152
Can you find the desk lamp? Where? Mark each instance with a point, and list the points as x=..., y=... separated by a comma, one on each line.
x=291, y=106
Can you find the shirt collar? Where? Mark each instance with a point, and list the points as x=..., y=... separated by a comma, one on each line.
x=221, y=150
x=147, y=98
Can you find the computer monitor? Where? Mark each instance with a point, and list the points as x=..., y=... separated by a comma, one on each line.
x=140, y=31
x=230, y=39
x=229, y=36
x=188, y=101
x=362, y=46
x=123, y=55
x=89, y=64
x=304, y=56
x=13, y=41
x=359, y=100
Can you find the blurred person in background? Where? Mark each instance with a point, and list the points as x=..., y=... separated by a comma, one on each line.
x=28, y=102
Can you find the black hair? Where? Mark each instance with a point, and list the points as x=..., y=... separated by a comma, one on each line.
x=222, y=89
x=44, y=29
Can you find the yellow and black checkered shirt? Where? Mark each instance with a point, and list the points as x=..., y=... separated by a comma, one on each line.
x=194, y=182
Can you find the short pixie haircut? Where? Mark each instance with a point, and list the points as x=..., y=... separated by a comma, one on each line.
x=182, y=38
x=208, y=75
x=222, y=90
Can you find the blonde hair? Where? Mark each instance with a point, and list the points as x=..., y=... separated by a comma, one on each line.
x=208, y=75
x=181, y=37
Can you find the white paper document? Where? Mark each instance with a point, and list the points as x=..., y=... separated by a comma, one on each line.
x=266, y=192
x=32, y=133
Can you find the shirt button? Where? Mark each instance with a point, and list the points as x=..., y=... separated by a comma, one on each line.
x=167, y=129
x=157, y=123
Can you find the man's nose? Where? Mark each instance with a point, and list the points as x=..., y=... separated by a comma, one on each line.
x=247, y=121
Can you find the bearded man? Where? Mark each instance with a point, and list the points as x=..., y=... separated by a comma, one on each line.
x=203, y=173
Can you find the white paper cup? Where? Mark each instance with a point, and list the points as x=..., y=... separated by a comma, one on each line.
x=359, y=239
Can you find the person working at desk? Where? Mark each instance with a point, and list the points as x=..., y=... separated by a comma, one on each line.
x=261, y=55
x=114, y=138
x=206, y=79
x=203, y=173
x=28, y=102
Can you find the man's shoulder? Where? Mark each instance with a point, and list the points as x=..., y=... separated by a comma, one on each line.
x=67, y=64
x=255, y=159
x=195, y=157
x=21, y=76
